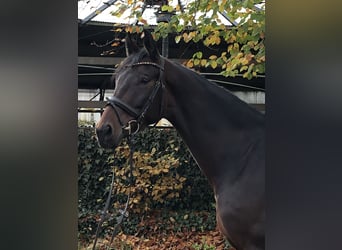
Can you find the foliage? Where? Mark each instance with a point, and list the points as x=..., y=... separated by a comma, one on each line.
x=159, y=240
x=203, y=246
x=156, y=180
x=166, y=178
x=92, y=165
x=200, y=22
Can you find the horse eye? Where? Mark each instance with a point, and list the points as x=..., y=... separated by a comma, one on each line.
x=144, y=79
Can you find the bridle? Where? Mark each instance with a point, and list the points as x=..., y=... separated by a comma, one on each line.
x=133, y=126
x=129, y=131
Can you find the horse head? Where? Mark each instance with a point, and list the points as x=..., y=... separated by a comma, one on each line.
x=137, y=97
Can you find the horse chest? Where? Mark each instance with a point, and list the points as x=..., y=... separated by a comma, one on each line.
x=229, y=226
x=222, y=225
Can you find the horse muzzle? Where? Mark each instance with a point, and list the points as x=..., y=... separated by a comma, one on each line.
x=105, y=136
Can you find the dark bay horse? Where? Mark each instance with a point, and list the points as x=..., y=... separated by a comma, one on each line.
x=224, y=134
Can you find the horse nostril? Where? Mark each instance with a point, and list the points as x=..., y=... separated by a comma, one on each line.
x=107, y=129
x=104, y=130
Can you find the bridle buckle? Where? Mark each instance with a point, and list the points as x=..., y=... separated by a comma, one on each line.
x=132, y=127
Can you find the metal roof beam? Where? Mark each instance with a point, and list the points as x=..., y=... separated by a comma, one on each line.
x=224, y=14
x=112, y=61
x=97, y=11
x=101, y=104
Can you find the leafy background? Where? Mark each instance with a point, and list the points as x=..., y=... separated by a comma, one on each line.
x=200, y=22
x=170, y=196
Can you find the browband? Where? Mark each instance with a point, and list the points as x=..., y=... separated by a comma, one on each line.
x=145, y=63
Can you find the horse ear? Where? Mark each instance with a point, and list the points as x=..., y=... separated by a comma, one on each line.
x=151, y=46
x=131, y=47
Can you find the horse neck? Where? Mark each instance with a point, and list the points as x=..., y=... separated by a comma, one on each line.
x=216, y=126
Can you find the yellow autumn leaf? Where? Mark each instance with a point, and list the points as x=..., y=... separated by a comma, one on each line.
x=182, y=179
x=203, y=63
x=217, y=40
x=190, y=64
x=213, y=64
x=186, y=37
x=232, y=39
x=244, y=61
x=192, y=34
x=243, y=68
x=221, y=8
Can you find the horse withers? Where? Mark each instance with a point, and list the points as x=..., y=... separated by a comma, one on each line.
x=224, y=134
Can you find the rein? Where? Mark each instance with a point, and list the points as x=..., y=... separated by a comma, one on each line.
x=123, y=213
x=129, y=131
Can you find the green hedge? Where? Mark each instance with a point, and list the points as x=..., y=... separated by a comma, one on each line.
x=161, y=149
